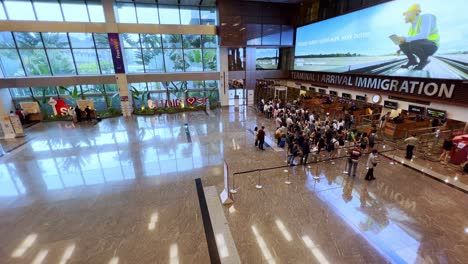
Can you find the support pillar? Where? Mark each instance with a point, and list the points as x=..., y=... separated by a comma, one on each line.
x=224, y=77
x=124, y=94
x=6, y=105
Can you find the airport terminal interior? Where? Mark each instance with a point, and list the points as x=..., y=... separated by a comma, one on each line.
x=233, y=131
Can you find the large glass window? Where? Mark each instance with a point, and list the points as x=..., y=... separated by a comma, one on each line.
x=153, y=60
x=81, y=40
x=61, y=61
x=126, y=13
x=131, y=40
x=48, y=10
x=86, y=61
x=96, y=12
x=10, y=63
x=172, y=41
x=271, y=35
x=55, y=40
x=287, y=35
x=192, y=41
x=6, y=40
x=174, y=60
x=35, y=62
x=105, y=60
x=75, y=11
x=2, y=13
x=210, y=62
x=20, y=92
x=169, y=15
x=147, y=14
x=151, y=41
x=28, y=39
x=208, y=16
x=209, y=41
x=189, y=15
x=19, y=9
x=193, y=60
x=133, y=60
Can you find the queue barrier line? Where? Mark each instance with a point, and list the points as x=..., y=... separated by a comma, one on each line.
x=234, y=190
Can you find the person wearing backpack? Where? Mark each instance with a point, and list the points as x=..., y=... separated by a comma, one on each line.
x=293, y=152
x=372, y=139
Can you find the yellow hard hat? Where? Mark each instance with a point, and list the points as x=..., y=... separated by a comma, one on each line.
x=414, y=7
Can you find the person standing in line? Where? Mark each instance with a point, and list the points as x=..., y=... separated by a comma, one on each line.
x=446, y=148
x=278, y=122
x=411, y=143
x=372, y=139
x=364, y=142
x=371, y=163
x=305, y=152
x=354, y=155
x=335, y=144
x=261, y=138
x=293, y=152
x=256, y=136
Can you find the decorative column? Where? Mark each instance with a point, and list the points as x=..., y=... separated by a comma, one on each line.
x=117, y=57
x=224, y=77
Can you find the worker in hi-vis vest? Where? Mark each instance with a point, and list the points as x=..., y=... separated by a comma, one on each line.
x=422, y=40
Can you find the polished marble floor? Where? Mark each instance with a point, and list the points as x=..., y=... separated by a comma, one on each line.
x=123, y=191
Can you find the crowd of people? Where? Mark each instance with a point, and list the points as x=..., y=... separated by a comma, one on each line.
x=318, y=136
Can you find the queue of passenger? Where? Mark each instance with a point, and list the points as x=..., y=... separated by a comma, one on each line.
x=318, y=136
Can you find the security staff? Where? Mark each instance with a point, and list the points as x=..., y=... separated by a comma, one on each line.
x=423, y=38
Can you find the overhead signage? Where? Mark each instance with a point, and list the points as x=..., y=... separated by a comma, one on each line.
x=333, y=93
x=436, y=113
x=361, y=99
x=425, y=87
x=322, y=91
x=390, y=105
x=346, y=95
x=419, y=110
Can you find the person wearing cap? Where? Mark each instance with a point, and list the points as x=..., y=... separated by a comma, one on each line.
x=423, y=38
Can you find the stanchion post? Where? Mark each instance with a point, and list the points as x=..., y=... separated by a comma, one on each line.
x=392, y=162
x=259, y=185
x=233, y=190
x=287, y=179
x=345, y=166
x=316, y=176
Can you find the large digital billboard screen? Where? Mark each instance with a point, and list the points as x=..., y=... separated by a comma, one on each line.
x=428, y=39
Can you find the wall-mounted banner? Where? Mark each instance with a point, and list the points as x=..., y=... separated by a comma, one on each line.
x=430, y=88
x=116, y=51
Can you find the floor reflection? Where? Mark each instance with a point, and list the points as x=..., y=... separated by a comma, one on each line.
x=371, y=219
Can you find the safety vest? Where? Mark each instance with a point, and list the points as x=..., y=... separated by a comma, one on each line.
x=433, y=35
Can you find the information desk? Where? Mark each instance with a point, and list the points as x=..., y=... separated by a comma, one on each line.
x=400, y=130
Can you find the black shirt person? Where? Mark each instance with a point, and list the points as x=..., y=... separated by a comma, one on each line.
x=88, y=113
